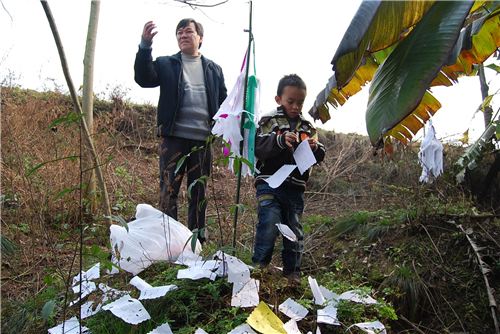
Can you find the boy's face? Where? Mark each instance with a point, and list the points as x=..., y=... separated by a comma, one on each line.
x=189, y=40
x=292, y=99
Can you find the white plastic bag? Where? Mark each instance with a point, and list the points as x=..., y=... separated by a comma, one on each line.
x=152, y=237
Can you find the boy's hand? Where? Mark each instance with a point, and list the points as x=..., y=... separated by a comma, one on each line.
x=312, y=143
x=290, y=138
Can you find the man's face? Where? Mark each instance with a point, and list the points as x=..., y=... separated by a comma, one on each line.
x=189, y=40
x=293, y=100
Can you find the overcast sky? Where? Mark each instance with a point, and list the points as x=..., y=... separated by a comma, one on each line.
x=291, y=36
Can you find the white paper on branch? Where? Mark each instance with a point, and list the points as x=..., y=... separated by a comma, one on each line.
x=245, y=294
x=277, y=178
x=87, y=288
x=293, y=309
x=304, y=157
x=430, y=156
x=128, y=309
x=91, y=274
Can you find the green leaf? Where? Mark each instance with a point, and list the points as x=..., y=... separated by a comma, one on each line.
x=401, y=81
x=65, y=191
x=47, y=310
x=104, y=255
x=48, y=279
x=95, y=249
x=71, y=158
x=120, y=220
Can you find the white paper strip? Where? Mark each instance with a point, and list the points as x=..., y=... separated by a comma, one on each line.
x=293, y=309
x=304, y=156
x=318, y=296
x=277, y=178
x=128, y=309
x=287, y=232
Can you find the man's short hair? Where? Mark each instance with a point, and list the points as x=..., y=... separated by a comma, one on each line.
x=185, y=22
x=290, y=80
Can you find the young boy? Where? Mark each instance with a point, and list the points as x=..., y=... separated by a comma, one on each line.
x=279, y=134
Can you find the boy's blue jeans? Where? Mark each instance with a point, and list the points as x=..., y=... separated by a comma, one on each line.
x=280, y=205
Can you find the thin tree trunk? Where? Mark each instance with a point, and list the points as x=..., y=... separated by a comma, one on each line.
x=88, y=98
x=488, y=111
x=78, y=109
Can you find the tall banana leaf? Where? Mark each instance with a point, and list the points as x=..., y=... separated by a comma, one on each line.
x=378, y=29
x=400, y=83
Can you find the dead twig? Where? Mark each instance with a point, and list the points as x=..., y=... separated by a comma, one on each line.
x=484, y=270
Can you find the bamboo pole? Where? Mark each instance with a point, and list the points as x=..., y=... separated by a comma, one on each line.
x=250, y=38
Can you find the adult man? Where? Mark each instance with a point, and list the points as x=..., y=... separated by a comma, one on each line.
x=191, y=90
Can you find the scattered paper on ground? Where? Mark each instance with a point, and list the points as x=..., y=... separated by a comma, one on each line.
x=72, y=326
x=128, y=309
x=243, y=329
x=237, y=271
x=328, y=315
x=304, y=156
x=86, y=287
x=200, y=331
x=293, y=309
x=245, y=294
x=375, y=327
x=163, y=329
x=87, y=310
x=291, y=327
x=287, y=232
x=330, y=297
x=263, y=320
x=277, y=178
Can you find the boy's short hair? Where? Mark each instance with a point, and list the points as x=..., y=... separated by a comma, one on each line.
x=290, y=80
x=184, y=22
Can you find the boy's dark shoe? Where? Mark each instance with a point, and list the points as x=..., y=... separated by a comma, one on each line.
x=293, y=281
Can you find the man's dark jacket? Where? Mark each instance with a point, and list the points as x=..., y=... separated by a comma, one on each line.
x=166, y=72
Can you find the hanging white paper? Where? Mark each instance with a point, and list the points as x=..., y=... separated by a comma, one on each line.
x=304, y=157
x=128, y=309
x=277, y=178
x=430, y=156
x=293, y=309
